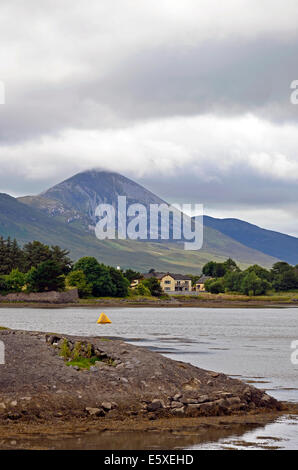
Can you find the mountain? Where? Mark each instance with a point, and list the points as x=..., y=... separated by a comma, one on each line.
x=76, y=198
x=269, y=242
x=71, y=204
x=26, y=223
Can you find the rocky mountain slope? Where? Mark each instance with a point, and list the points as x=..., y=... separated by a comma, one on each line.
x=270, y=242
x=65, y=215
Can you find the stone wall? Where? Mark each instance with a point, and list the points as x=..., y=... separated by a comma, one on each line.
x=70, y=296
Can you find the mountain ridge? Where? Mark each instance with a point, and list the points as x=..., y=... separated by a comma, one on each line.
x=270, y=242
x=26, y=223
x=68, y=211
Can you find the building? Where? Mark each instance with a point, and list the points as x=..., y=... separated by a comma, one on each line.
x=171, y=282
x=182, y=283
x=200, y=284
x=134, y=283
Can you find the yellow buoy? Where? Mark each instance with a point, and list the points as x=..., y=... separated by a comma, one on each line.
x=103, y=319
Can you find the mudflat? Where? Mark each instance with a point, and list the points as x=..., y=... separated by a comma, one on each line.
x=45, y=396
x=40, y=381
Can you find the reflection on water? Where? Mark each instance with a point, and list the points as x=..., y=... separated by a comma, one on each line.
x=280, y=435
x=149, y=440
x=251, y=344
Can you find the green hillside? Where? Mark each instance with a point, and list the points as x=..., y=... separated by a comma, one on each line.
x=26, y=223
x=278, y=245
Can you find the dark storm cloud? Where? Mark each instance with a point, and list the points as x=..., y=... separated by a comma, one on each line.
x=225, y=77
x=233, y=189
x=193, y=98
x=251, y=198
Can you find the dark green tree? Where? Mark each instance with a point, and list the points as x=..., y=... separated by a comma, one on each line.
x=131, y=275
x=288, y=280
x=208, y=268
x=97, y=275
x=232, y=281
x=61, y=257
x=3, y=286
x=120, y=282
x=35, y=253
x=214, y=269
x=47, y=276
x=11, y=256
x=260, y=272
x=285, y=276
x=280, y=268
x=253, y=285
x=231, y=266
x=17, y=256
x=4, y=267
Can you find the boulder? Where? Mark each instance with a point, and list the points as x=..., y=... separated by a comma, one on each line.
x=95, y=411
x=107, y=406
x=155, y=405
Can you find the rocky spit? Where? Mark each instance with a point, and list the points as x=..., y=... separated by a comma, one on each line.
x=36, y=385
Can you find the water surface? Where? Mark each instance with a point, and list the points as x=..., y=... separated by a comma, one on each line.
x=251, y=344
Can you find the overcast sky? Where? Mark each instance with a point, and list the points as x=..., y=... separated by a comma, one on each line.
x=190, y=98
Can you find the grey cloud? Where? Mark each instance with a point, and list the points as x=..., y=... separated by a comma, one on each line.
x=223, y=77
x=104, y=67
x=227, y=77
x=241, y=187
x=241, y=195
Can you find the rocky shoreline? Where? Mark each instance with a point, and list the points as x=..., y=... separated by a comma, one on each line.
x=172, y=303
x=39, y=385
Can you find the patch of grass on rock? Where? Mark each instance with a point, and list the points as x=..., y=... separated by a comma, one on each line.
x=82, y=355
x=83, y=362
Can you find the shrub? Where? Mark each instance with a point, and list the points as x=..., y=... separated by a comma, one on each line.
x=215, y=286
x=15, y=281
x=78, y=279
x=141, y=289
x=65, y=350
x=154, y=286
x=76, y=354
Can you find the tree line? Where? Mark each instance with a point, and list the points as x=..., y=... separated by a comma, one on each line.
x=255, y=280
x=37, y=267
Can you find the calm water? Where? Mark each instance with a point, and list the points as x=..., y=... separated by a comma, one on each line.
x=252, y=344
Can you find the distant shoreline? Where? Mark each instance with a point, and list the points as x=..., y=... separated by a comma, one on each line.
x=126, y=303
